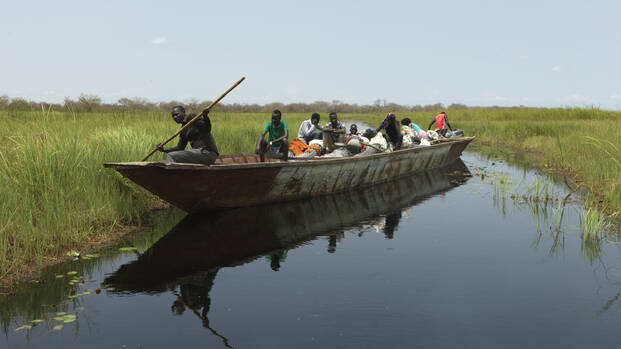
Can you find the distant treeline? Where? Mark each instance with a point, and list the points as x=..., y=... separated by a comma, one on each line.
x=90, y=103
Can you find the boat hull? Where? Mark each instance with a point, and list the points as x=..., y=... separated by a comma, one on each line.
x=196, y=188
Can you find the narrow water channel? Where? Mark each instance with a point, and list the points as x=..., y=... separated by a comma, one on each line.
x=482, y=254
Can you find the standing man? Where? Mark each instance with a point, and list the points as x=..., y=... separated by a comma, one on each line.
x=441, y=122
x=204, y=149
x=310, y=129
x=393, y=130
x=277, y=142
x=332, y=131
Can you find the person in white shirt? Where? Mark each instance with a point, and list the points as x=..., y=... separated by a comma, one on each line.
x=310, y=129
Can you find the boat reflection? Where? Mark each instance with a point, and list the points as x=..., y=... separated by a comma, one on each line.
x=187, y=259
x=209, y=241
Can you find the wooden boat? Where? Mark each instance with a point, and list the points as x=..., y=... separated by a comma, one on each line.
x=242, y=180
x=202, y=243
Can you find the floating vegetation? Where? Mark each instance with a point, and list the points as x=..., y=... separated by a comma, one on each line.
x=72, y=272
x=37, y=321
x=127, y=249
x=60, y=276
x=69, y=318
x=61, y=313
x=24, y=327
x=71, y=296
x=73, y=253
x=57, y=327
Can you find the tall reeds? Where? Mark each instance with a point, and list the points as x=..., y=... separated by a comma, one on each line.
x=55, y=194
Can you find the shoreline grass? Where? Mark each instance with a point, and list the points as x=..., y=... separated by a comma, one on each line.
x=56, y=195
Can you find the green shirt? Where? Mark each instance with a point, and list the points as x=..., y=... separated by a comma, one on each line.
x=276, y=132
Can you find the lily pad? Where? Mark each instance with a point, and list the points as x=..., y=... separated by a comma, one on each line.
x=127, y=249
x=110, y=288
x=25, y=327
x=60, y=276
x=37, y=321
x=72, y=272
x=58, y=327
x=59, y=318
x=61, y=313
x=94, y=255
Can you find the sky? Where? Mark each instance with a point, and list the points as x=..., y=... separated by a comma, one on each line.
x=533, y=53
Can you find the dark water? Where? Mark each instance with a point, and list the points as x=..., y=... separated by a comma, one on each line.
x=458, y=258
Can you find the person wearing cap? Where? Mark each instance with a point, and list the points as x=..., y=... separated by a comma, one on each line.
x=441, y=121
x=310, y=129
x=277, y=144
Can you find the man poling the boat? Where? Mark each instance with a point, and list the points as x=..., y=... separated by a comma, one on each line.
x=188, y=123
x=198, y=134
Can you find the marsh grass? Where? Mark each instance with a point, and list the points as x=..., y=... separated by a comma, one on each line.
x=593, y=223
x=55, y=193
x=541, y=189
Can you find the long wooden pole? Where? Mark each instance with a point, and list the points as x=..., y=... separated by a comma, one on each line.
x=193, y=119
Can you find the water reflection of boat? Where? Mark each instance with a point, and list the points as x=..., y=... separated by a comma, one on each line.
x=242, y=181
x=208, y=241
x=187, y=259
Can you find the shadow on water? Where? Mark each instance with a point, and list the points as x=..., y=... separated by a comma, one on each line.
x=186, y=260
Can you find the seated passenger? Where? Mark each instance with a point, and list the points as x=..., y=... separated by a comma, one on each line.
x=353, y=130
x=412, y=125
x=332, y=131
x=354, y=142
x=410, y=137
x=277, y=145
x=310, y=129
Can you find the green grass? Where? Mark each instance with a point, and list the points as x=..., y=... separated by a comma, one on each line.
x=55, y=193
x=593, y=223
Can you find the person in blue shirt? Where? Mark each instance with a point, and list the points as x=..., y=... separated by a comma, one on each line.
x=408, y=122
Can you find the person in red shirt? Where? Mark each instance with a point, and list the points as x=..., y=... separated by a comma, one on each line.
x=441, y=122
